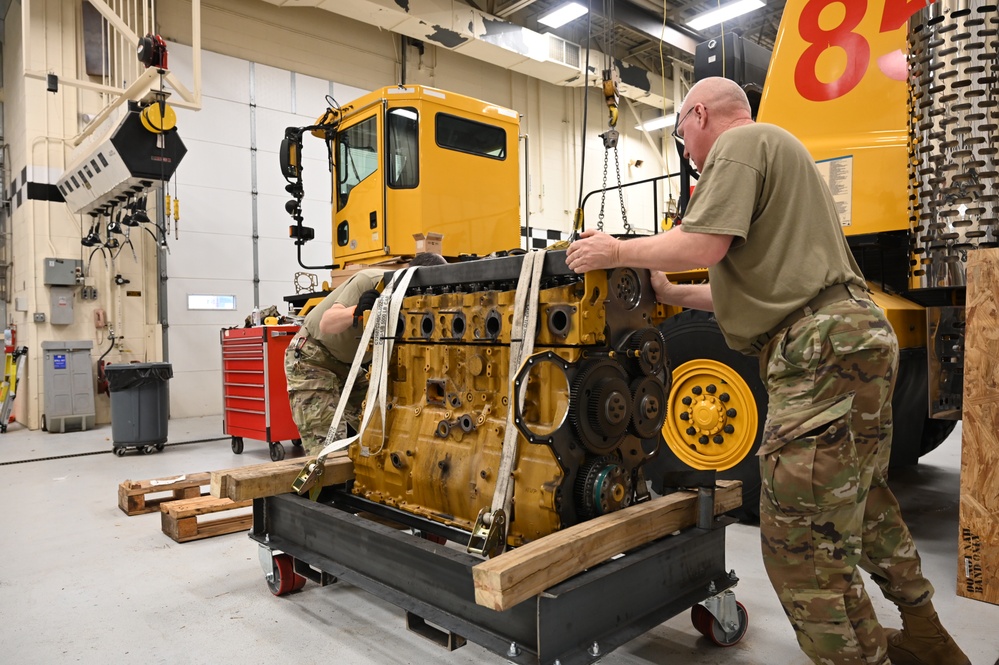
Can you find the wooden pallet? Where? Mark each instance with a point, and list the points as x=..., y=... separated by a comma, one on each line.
x=180, y=518
x=134, y=499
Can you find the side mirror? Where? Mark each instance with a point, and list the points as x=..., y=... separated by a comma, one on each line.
x=291, y=154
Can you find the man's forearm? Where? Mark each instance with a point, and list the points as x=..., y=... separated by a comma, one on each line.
x=673, y=251
x=692, y=296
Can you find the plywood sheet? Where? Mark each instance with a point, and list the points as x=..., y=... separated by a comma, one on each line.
x=978, y=548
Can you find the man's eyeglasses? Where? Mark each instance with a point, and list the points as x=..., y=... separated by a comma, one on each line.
x=676, y=127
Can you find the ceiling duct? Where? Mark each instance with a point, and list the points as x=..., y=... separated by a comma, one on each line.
x=466, y=30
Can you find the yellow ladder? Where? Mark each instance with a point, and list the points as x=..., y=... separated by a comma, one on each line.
x=8, y=389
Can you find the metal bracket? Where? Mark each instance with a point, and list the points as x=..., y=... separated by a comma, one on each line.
x=445, y=638
x=488, y=534
x=723, y=608
x=266, y=556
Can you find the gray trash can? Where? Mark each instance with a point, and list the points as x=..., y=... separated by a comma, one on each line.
x=140, y=405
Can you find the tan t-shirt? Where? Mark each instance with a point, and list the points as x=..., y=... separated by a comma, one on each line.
x=342, y=346
x=760, y=184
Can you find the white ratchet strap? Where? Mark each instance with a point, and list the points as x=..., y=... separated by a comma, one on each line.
x=525, y=317
x=381, y=326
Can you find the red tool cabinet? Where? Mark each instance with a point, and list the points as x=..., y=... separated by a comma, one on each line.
x=254, y=390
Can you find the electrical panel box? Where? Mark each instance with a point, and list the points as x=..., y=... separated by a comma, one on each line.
x=62, y=272
x=69, y=385
x=61, y=313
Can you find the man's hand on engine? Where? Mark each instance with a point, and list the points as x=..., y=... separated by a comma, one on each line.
x=364, y=303
x=664, y=289
x=592, y=251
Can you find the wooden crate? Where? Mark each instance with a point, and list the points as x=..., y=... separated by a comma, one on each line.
x=134, y=495
x=180, y=519
x=978, y=545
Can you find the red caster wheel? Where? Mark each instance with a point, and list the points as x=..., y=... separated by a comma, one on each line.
x=707, y=625
x=283, y=578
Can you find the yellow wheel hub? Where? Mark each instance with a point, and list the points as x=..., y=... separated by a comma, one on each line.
x=712, y=420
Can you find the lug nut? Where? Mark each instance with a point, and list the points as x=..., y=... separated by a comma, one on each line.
x=687, y=401
x=731, y=413
x=691, y=431
x=718, y=438
x=728, y=429
x=703, y=438
x=684, y=416
x=724, y=397
x=711, y=388
x=696, y=390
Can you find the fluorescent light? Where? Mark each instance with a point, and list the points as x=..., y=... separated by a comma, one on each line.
x=658, y=123
x=724, y=13
x=558, y=17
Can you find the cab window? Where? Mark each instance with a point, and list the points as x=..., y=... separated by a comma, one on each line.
x=403, y=148
x=357, y=156
x=464, y=135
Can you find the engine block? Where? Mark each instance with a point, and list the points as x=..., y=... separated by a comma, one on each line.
x=588, y=404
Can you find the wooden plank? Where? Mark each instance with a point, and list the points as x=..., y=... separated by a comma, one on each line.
x=260, y=480
x=180, y=519
x=516, y=575
x=220, y=479
x=202, y=505
x=978, y=516
x=134, y=495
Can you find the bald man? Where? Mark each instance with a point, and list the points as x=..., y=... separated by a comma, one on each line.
x=784, y=286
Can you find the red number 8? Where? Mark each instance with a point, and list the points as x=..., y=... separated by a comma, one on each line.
x=858, y=51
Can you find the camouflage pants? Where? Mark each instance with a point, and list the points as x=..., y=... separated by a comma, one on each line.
x=315, y=381
x=826, y=508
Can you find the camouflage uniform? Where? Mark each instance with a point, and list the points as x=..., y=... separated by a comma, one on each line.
x=825, y=506
x=315, y=381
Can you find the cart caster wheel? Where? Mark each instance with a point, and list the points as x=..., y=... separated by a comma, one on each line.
x=160, y=447
x=237, y=445
x=284, y=579
x=148, y=450
x=297, y=443
x=119, y=452
x=277, y=452
x=708, y=626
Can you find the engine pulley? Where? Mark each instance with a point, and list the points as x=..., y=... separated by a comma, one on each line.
x=602, y=486
x=601, y=405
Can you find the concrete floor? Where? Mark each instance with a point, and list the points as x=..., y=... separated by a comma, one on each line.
x=84, y=583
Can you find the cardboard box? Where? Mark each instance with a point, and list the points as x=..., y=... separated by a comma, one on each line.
x=430, y=242
x=978, y=544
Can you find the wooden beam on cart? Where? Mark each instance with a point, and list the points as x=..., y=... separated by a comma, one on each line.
x=269, y=479
x=519, y=574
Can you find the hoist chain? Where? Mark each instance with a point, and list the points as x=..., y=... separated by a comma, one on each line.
x=620, y=193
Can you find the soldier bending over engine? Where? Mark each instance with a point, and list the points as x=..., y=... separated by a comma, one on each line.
x=320, y=355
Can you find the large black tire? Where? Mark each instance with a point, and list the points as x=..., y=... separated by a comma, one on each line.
x=701, y=360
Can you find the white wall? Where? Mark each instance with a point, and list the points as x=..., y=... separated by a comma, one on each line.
x=265, y=68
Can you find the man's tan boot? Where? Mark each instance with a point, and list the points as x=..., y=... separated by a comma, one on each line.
x=923, y=640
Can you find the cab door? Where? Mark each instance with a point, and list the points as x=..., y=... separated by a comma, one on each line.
x=359, y=189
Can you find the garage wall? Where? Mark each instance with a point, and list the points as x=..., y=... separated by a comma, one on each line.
x=265, y=68
x=268, y=68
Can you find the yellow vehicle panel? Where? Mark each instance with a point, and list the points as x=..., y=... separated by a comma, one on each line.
x=837, y=82
x=424, y=180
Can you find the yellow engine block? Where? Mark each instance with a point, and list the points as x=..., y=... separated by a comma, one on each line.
x=588, y=405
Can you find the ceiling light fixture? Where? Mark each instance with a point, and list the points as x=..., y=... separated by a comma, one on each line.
x=558, y=17
x=658, y=123
x=724, y=13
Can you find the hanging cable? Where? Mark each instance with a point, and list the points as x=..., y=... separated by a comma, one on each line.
x=577, y=220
